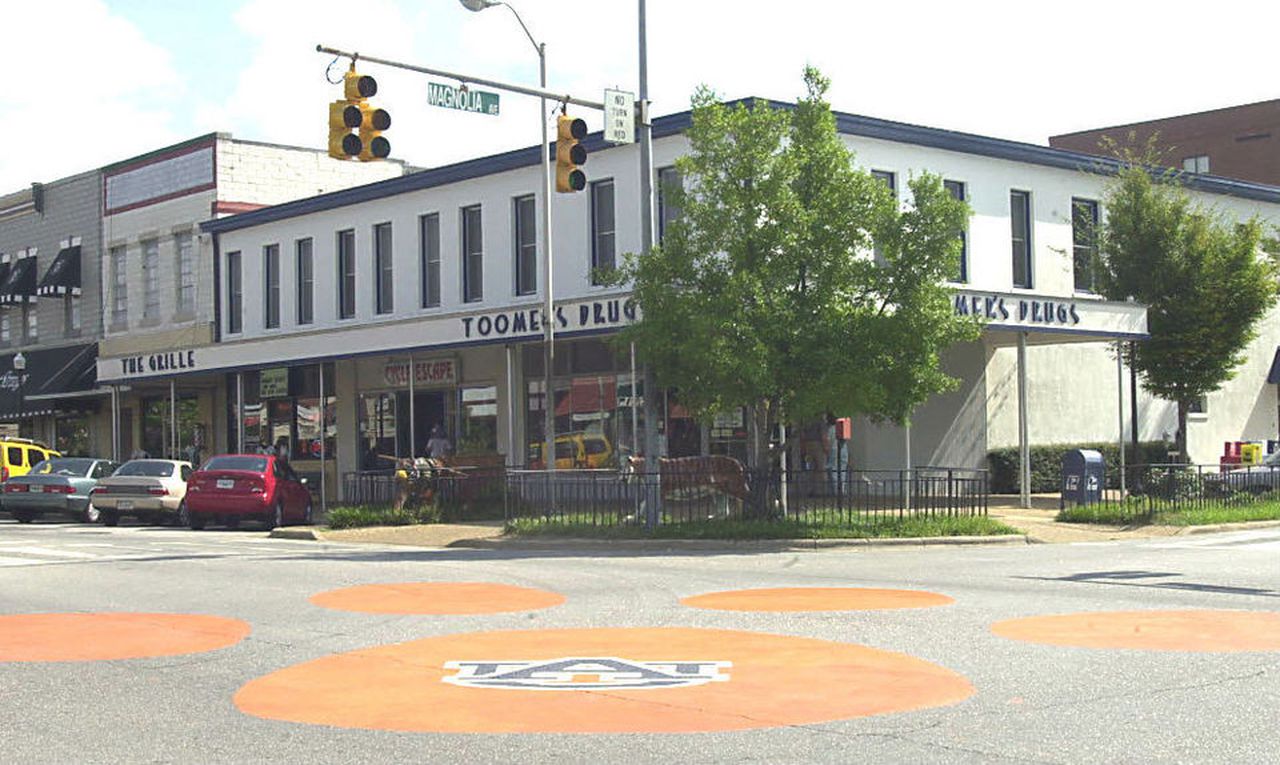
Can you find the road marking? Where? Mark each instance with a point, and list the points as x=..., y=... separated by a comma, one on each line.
x=49, y=553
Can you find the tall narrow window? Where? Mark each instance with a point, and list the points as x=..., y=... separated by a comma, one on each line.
x=603, y=255
x=890, y=180
x=668, y=179
x=71, y=315
x=429, y=259
x=346, y=274
x=6, y=334
x=526, y=245
x=961, y=274
x=119, y=287
x=271, y=280
x=383, y=261
x=306, y=282
x=186, y=288
x=151, y=279
x=472, y=255
x=1084, y=241
x=235, y=295
x=1020, y=223
x=30, y=323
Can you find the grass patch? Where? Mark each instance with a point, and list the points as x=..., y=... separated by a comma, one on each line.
x=1137, y=511
x=763, y=529
x=371, y=515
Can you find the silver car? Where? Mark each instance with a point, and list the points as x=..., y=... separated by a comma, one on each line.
x=151, y=490
x=58, y=485
x=1254, y=479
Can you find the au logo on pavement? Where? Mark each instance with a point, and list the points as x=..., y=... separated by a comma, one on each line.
x=582, y=674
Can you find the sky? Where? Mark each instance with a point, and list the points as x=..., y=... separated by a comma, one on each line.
x=104, y=80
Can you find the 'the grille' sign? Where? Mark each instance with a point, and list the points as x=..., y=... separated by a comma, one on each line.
x=426, y=372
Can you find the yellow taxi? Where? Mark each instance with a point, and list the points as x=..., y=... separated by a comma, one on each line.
x=19, y=455
x=578, y=449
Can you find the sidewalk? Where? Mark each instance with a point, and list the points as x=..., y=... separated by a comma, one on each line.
x=1038, y=523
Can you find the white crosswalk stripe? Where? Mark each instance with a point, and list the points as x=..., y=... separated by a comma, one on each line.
x=1263, y=540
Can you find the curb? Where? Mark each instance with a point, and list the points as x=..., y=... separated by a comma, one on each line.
x=768, y=545
x=1242, y=526
x=297, y=532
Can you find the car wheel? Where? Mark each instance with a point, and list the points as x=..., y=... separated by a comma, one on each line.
x=307, y=515
x=90, y=514
x=195, y=521
x=232, y=523
x=110, y=518
x=22, y=516
x=184, y=515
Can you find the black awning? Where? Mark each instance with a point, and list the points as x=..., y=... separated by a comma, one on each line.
x=63, y=276
x=50, y=371
x=20, y=285
x=1274, y=375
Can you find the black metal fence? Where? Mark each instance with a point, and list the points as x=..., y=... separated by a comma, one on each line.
x=1149, y=490
x=476, y=494
x=848, y=498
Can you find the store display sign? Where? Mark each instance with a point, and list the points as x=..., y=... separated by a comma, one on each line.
x=426, y=372
x=273, y=383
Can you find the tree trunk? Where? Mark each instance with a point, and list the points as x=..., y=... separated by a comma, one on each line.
x=1182, y=431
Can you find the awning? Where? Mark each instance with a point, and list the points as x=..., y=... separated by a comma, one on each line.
x=50, y=371
x=63, y=276
x=1273, y=376
x=589, y=394
x=20, y=284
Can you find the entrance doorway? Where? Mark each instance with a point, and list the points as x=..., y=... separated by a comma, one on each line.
x=430, y=408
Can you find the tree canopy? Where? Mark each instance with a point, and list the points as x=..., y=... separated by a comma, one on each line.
x=1203, y=278
x=764, y=291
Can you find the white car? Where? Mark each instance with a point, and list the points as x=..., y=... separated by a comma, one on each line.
x=150, y=490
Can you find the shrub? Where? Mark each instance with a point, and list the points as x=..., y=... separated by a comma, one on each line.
x=366, y=515
x=1046, y=463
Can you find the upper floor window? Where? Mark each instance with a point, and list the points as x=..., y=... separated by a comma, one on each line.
x=271, y=279
x=668, y=179
x=961, y=274
x=429, y=259
x=526, y=243
x=888, y=178
x=1197, y=164
x=472, y=255
x=235, y=294
x=71, y=315
x=383, y=256
x=6, y=333
x=603, y=232
x=346, y=274
x=1020, y=225
x=186, y=268
x=119, y=287
x=151, y=279
x=306, y=282
x=1084, y=241
x=30, y=323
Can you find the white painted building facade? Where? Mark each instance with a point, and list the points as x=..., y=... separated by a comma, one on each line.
x=426, y=269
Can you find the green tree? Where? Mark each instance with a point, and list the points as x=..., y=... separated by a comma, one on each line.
x=1203, y=278
x=764, y=293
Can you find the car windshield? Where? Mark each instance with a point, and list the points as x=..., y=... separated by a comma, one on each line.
x=252, y=464
x=147, y=468
x=74, y=468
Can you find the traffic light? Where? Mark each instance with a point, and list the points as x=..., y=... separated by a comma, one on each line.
x=570, y=154
x=354, y=113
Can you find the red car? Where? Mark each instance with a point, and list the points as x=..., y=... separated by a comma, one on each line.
x=232, y=487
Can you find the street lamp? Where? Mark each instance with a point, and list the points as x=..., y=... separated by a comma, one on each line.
x=20, y=366
x=548, y=311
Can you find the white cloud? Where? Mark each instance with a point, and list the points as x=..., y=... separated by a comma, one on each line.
x=84, y=88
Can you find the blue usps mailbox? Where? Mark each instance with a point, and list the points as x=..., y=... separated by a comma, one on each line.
x=1083, y=474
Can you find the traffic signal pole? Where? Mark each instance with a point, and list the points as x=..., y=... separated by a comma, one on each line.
x=549, y=319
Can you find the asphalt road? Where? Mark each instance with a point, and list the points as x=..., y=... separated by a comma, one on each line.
x=1031, y=703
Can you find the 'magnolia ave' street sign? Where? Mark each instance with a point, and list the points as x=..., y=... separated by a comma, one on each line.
x=462, y=99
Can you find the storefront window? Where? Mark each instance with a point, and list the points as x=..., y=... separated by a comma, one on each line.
x=157, y=435
x=479, y=410
x=379, y=434
x=71, y=436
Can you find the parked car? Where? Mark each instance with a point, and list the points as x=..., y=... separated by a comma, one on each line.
x=230, y=488
x=19, y=455
x=57, y=485
x=1254, y=479
x=150, y=490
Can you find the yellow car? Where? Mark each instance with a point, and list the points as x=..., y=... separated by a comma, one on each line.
x=19, y=455
x=575, y=450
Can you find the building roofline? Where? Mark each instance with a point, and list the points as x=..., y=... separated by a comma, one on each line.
x=1154, y=120
x=849, y=124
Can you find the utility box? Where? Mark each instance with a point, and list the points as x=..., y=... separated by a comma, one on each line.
x=844, y=429
x=1083, y=476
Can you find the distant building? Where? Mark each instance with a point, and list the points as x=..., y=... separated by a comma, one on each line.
x=1236, y=142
